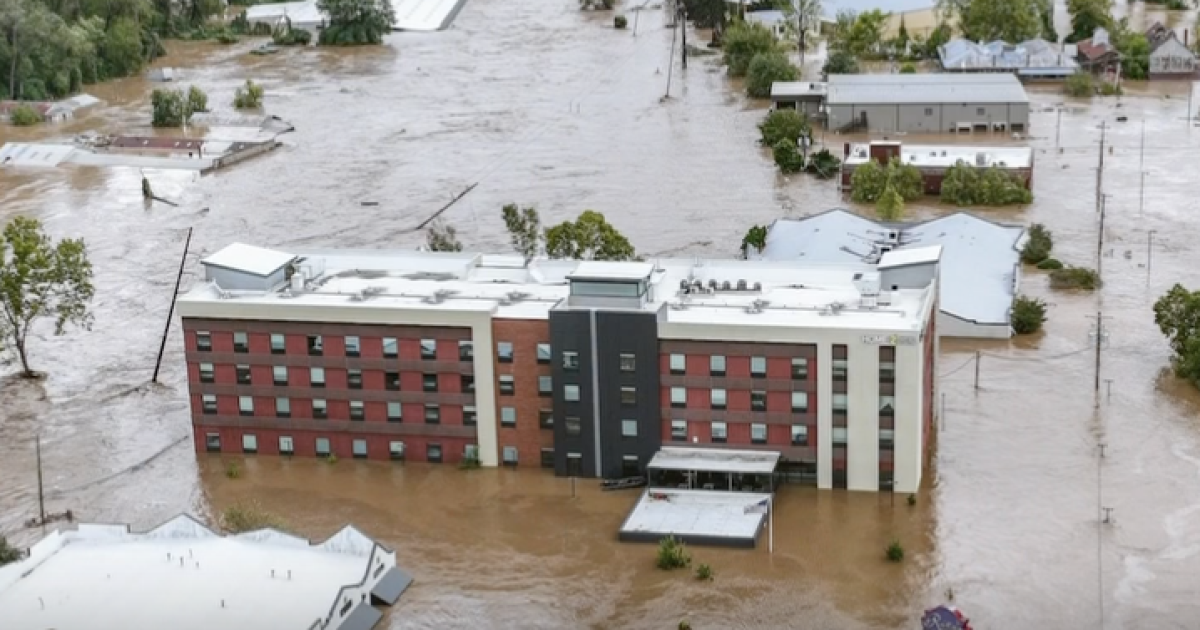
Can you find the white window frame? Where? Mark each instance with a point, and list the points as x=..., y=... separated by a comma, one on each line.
x=801, y=397
x=249, y=443
x=287, y=445
x=625, y=425
x=571, y=393
x=678, y=363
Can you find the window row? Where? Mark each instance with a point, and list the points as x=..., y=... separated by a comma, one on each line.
x=626, y=361
x=629, y=395
x=354, y=378
x=352, y=345
x=508, y=385
x=320, y=409
x=322, y=447
x=719, y=433
x=718, y=399
x=717, y=366
x=505, y=352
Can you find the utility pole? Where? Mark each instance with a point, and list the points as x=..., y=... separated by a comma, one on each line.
x=1149, y=253
x=1100, y=237
x=1142, y=168
x=41, y=493
x=671, y=62
x=683, y=26
x=1101, y=335
x=977, y=357
x=1058, y=127
x=1100, y=168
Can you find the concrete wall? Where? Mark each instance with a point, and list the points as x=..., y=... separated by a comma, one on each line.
x=231, y=280
x=951, y=326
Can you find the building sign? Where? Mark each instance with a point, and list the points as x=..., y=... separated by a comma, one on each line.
x=890, y=340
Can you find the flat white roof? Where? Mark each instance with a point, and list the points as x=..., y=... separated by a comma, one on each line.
x=948, y=155
x=249, y=259
x=792, y=89
x=607, y=270
x=696, y=513
x=893, y=89
x=910, y=256
x=714, y=460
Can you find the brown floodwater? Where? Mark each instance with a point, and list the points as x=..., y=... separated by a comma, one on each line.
x=549, y=106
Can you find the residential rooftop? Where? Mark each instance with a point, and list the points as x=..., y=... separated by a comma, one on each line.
x=964, y=54
x=948, y=155
x=791, y=294
x=892, y=89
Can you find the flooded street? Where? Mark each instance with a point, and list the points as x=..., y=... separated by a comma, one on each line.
x=547, y=105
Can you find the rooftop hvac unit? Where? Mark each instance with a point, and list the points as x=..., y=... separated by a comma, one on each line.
x=725, y=286
x=758, y=286
x=712, y=285
x=741, y=285
x=980, y=159
x=684, y=285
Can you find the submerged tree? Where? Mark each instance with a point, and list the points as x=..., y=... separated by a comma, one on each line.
x=40, y=279
x=441, y=237
x=890, y=205
x=967, y=185
x=1178, y=317
x=765, y=70
x=170, y=108
x=356, y=22
x=870, y=180
x=8, y=553
x=745, y=41
x=249, y=96
x=524, y=230
x=756, y=238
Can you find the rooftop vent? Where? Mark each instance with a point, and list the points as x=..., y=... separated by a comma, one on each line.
x=725, y=286
x=741, y=285
x=980, y=159
x=684, y=285
x=439, y=296
x=758, y=286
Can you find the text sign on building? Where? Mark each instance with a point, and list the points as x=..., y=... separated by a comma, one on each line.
x=890, y=340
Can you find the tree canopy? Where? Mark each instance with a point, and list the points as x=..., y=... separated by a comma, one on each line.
x=524, y=227
x=869, y=181
x=859, y=33
x=890, y=205
x=743, y=42
x=767, y=68
x=966, y=185
x=1010, y=20
x=840, y=62
x=589, y=237
x=441, y=237
x=1178, y=317
x=356, y=22
x=1087, y=16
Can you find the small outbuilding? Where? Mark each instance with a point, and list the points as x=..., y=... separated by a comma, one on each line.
x=1169, y=57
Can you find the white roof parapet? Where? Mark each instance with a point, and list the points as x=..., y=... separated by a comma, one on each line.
x=249, y=259
x=714, y=460
x=910, y=256
x=605, y=270
x=927, y=89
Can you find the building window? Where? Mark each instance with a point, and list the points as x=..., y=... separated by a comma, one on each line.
x=316, y=376
x=571, y=393
x=800, y=435
x=395, y=411
x=546, y=418
x=354, y=379
x=719, y=432
x=391, y=349
x=887, y=405
x=547, y=458
x=630, y=466
x=799, y=368
x=980, y=111
x=758, y=366
x=433, y=453
x=466, y=350
x=429, y=382
x=628, y=396
x=504, y=352
x=887, y=439
x=323, y=447
x=359, y=448
x=286, y=445
x=320, y=410
x=353, y=346
x=241, y=342
x=208, y=403
x=839, y=370
x=508, y=416
x=628, y=362
x=391, y=380
x=887, y=364
x=203, y=341
x=678, y=363
x=508, y=384
x=928, y=111
x=468, y=383
x=629, y=428
x=245, y=405
x=279, y=375
x=510, y=456
x=799, y=402
x=572, y=425
x=212, y=442
x=840, y=402
x=278, y=343
x=429, y=349
x=758, y=400
x=357, y=411
x=718, y=399
x=243, y=374
x=679, y=397
x=470, y=416
x=839, y=436
x=716, y=365
x=758, y=433
x=316, y=345
x=679, y=430
x=574, y=464
x=283, y=408
x=543, y=353
x=396, y=450
x=570, y=360
x=249, y=443
x=207, y=373
x=886, y=481
x=433, y=414
x=545, y=386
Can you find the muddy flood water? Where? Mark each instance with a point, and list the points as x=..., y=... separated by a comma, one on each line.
x=545, y=105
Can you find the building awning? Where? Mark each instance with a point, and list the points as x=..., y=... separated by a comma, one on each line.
x=715, y=460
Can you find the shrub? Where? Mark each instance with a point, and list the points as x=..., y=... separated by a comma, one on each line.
x=8, y=553
x=1075, y=278
x=620, y=22
x=1050, y=264
x=1110, y=89
x=233, y=471
x=890, y=205
x=1028, y=315
x=24, y=115
x=285, y=35
x=765, y=69
x=685, y=625
x=227, y=37
x=170, y=108
x=788, y=157
x=783, y=124
x=247, y=517
x=895, y=552
x=823, y=164
x=1038, y=246
x=672, y=554
x=840, y=62
x=331, y=459
x=1079, y=85
x=755, y=237
x=469, y=462
x=912, y=499
x=197, y=100
x=743, y=42
x=967, y=185
x=908, y=68
x=249, y=97
x=704, y=572
x=870, y=180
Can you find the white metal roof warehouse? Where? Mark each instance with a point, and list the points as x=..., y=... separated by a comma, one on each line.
x=866, y=89
x=926, y=103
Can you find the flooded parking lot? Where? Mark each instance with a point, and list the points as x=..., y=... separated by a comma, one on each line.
x=553, y=107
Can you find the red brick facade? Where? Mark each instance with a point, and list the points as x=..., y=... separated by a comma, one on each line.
x=527, y=435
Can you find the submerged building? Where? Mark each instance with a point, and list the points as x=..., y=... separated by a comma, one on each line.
x=587, y=368
x=926, y=103
x=933, y=161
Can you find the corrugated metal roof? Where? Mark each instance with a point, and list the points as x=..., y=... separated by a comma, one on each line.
x=890, y=89
x=962, y=54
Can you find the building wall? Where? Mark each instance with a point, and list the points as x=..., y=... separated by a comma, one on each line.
x=575, y=454
x=527, y=435
x=951, y=326
x=1172, y=58
x=927, y=117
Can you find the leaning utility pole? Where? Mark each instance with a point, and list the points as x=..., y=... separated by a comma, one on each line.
x=671, y=62
x=1101, y=334
x=41, y=493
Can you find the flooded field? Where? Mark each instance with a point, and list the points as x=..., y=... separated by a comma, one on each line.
x=550, y=106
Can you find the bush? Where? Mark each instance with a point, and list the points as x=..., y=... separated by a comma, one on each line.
x=227, y=37
x=912, y=499
x=840, y=62
x=743, y=42
x=755, y=237
x=285, y=35
x=331, y=459
x=1074, y=278
x=247, y=517
x=197, y=100
x=788, y=157
x=704, y=572
x=1079, y=85
x=908, y=68
x=1110, y=89
x=24, y=115
x=672, y=554
x=8, y=553
x=1177, y=314
x=620, y=22
x=233, y=471
x=823, y=164
x=890, y=205
x=1050, y=264
x=767, y=68
x=1038, y=246
x=684, y=625
x=870, y=180
x=469, y=462
x=784, y=124
x=1028, y=315
x=249, y=97
x=966, y=185
x=170, y=108
x=895, y=552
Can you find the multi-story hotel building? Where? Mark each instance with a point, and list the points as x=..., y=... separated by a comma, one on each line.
x=587, y=368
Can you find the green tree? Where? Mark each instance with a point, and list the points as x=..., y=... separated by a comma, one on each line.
x=1134, y=49
x=1046, y=15
x=1079, y=85
x=590, y=237
x=170, y=108
x=1038, y=245
x=1010, y=20
x=745, y=41
x=711, y=14
x=356, y=22
x=41, y=280
x=902, y=36
x=966, y=185
x=1177, y=314
x=784, y=124
x=197, y=100
x=23, y=116
x=890, y=205
x=1087, y=16
x=840, y=62
x=249, y=96
x=756, y=237
x=824, y=164
x=524, y=227
x=870, y=180
x=1028, y=315
x=787, y=156
x=441, y=237
x=766, y=69
x=937, y=38
x=859, y=33
x=8, y=553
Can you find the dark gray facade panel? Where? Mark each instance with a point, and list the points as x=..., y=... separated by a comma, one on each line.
x=570, y=331
x=633, y=333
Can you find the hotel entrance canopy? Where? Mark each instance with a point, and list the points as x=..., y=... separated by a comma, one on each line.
x=715, y=460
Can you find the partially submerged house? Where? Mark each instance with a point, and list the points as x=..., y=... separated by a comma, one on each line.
x=1030, y=60
x=1169, y=57
x=1097, y=54
x=934, y=160
x=773, y=20
x=805, y=96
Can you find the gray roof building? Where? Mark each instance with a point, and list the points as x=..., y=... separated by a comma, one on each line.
x=1031, y=59
x=930, y=103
